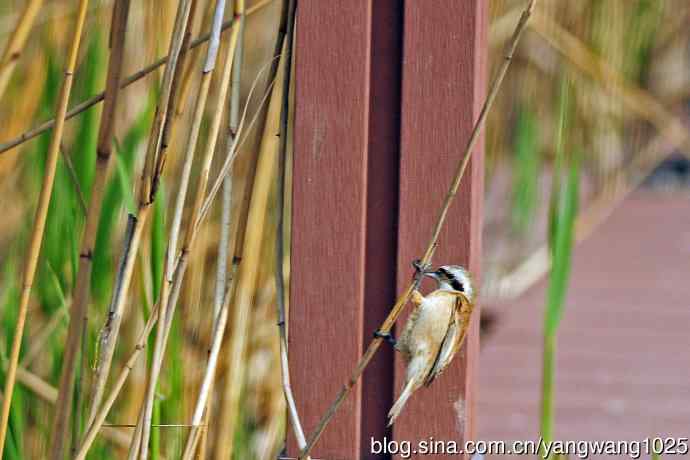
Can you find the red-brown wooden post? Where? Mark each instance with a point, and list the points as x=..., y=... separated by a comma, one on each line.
x=444, y=81
x=332, y=45
x=365, y=196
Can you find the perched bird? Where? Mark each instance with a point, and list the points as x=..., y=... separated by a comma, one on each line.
x=435, y=330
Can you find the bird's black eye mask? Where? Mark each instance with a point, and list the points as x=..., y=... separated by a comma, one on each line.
x=454, y=283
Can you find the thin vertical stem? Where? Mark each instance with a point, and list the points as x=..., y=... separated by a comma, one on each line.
x=223, y=283
x=233, y=127
x=40, y=220
x=251, y=170
x=79, y=309
x=169, y=305
x=280, y=242
x=147, y=193
x=102, y=413
x=207, y=381
x=224, y=435
x=247, y=275
x=221, y=319
x=15, y=46
x=95, y=427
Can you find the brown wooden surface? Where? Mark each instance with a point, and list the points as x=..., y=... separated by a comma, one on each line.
x=382, y=213
x=365, y=197
x=328, y=215
x=622, y=367
x=443, y=89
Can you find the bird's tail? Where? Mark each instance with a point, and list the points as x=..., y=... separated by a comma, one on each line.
x=400, y=403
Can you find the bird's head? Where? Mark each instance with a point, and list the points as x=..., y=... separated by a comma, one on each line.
x=453, y=277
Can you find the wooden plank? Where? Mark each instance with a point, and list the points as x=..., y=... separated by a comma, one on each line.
x=444, y=78
x=628, y=381
x=382, y=214
x=332, y=50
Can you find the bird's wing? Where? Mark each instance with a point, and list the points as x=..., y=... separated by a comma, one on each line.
x=454, y=338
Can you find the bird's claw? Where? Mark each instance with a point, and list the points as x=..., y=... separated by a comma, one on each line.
x=387, y=336
x=420, y=268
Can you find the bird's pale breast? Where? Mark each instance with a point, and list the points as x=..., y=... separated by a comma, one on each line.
x=431, y=324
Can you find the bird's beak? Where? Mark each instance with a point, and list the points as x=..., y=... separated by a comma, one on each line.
x=432, y=274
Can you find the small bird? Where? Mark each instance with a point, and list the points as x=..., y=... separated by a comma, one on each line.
x=435, y=330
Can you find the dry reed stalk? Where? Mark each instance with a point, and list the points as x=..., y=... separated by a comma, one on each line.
x=248, y=270
x=136, y=76
x=190, y=149
x=280, y=242
x=153, y=168
x=634, y=97
x=50, y=13
x=189, y=70
x=48, y=393
x=102, y=412
x=201, y=191
x=109, y=332
x=174, y=102
x=251, y=167
x=15, y=45
x=501, y=27
x=223, y=282
x=38, y=342
x=195, y=321
x=233, y=131
x=230, y=158
x=169, y=304
x=79, y=308
x=224, y=180
x=403, y=299
x=36, y=384
x=186, y=84
x=209, y=373
x=156, y=154
x=40, y=220
x=229, y=161
x=97, y=424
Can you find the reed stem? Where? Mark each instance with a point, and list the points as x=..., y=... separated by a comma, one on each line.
x=170, y=304
x=79, y=308
x=15, y=46
x=280, y=237
x=40, y=220
x=133, y=78
x=148, y=185
x=248, y=271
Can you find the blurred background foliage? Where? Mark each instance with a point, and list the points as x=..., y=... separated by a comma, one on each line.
x=627, y=67
x=617, y=55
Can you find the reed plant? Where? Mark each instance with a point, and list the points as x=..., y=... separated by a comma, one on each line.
x=562, y=213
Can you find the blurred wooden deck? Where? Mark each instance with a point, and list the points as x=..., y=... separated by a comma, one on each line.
x=623, y=361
